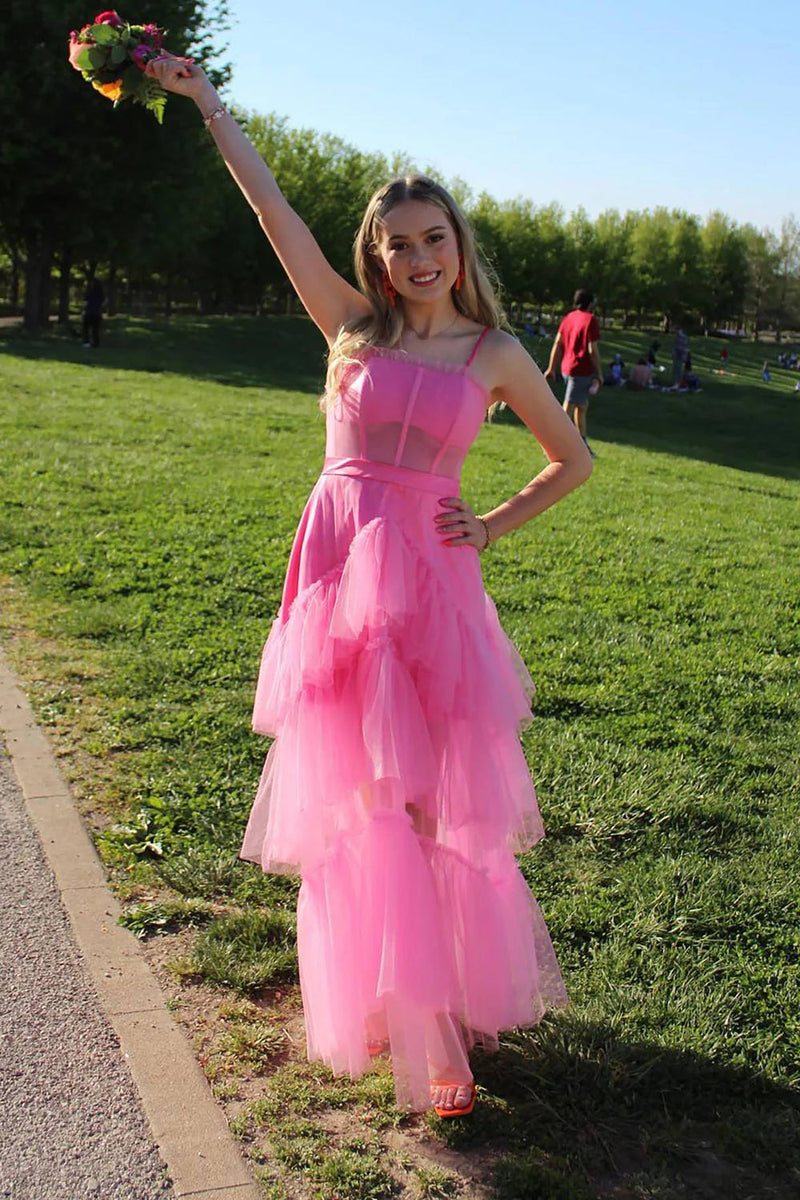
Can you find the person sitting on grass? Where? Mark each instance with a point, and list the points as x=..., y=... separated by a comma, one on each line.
x=614, y=376
x=640, y=374
x=689, y=382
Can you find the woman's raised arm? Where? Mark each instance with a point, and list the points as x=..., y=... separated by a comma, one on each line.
x=328, y=298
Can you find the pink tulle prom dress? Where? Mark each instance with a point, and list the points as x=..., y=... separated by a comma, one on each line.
x=396, y=785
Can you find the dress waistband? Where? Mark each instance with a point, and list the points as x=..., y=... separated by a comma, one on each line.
x=361, y=468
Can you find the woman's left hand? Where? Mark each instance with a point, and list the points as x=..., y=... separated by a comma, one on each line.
x=459, y=526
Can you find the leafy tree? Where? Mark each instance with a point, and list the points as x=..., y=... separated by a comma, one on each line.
x=528, y=248
x=787, y=281
x=74, y=174
x=653, y=260
x=586, y=249
x=687, y=273
x=326, y=180
x=519, y=251
x=229, y=262
x=726, y=270
x=554, y=282
x=762, y=277
x=614, y=280
x=484, y=215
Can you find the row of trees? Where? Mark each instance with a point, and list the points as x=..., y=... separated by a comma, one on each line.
x=86, y=189
x=711, y=272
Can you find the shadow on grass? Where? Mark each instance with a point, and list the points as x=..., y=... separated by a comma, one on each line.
x=752, y=430
x=735, y=421
x=738, y=421
x=755, y=431
x=577, y=1099
x=266, y=352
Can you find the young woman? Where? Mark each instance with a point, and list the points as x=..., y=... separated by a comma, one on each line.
x=396, y=785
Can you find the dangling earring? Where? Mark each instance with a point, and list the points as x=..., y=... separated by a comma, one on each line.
x=460, y=276
x=389, y=289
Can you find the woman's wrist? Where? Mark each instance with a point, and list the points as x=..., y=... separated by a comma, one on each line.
x=207, y=100
x=487, y=531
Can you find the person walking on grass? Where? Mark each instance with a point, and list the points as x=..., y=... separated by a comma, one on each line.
x=396, y=785
x=680, y=356
x=576, y=345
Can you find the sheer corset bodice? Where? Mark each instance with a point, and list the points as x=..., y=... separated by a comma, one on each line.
x=400, y=411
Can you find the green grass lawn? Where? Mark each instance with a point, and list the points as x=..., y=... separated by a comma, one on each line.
x=150, y=491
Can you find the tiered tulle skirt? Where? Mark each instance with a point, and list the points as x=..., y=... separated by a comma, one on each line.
x=396, y=785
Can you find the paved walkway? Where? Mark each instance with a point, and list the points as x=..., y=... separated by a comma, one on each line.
x=87, y=1047
x=72, y=1125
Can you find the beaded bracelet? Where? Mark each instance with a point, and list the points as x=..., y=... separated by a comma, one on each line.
x=485, y=545
x=221, y=111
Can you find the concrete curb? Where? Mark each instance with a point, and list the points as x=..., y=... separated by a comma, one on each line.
x=190, y=1130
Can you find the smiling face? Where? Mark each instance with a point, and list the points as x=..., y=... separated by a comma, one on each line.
x=418, y=249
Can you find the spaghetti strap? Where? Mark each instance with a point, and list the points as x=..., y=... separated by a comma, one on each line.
x=476, y=347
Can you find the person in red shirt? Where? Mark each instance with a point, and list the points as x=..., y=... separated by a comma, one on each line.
x=576, y=345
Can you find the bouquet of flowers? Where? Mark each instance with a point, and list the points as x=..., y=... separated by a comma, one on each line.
x=112, y=56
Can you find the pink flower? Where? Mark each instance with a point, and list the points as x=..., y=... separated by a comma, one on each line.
x=109, y=18
x=154, y=33
x=142, y=55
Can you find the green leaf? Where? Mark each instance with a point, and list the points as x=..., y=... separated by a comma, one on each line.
x=118, y=53
x=131, y=78
x=98, y=56
x=154, y=98
x=104, y=35
x=157, y=107
x=84, y=59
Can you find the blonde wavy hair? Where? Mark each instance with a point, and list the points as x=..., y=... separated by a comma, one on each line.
x=477, y=298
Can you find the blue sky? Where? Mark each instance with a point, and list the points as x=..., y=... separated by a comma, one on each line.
x=631, y=105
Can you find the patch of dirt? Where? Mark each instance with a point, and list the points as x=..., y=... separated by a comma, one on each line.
x=200, y=1010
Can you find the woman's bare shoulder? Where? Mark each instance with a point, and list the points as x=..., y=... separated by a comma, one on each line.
x=499, y=342
x=503, y=357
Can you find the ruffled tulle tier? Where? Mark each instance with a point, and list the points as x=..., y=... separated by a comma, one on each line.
x=397, y=787
x=374, y=682
x=396, y=930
